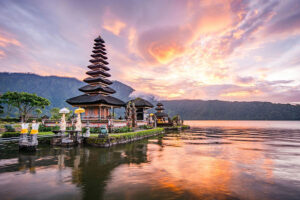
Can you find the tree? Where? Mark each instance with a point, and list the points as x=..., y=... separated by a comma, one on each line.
x=55, y=113
x=24, y=102
x=38, y=112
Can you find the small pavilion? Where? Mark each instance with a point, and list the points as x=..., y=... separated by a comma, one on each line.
x=96, y=101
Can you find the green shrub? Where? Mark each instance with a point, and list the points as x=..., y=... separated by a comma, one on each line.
x=9, y=128
x=94, y=130
x=10, y=134
x=55, y=128
x=137, y=134
x=43, y=128
x=124, y=129
x=145, y=127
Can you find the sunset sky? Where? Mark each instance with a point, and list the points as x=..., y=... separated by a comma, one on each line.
x=176, y=49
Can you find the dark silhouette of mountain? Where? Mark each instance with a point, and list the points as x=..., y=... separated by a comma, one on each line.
x=58, y=89
x=225, y=110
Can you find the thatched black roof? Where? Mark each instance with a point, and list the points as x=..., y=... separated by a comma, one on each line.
x=99, y=60
x=95, y=99
x=99, y=44
x=99, y=51
x=97, y=91
x=97, y=80
x=159, y=108
x=99, y=47
x=97, y=72
x=96, y=88
x=99, y=39
x=99, y=66
x=96, y=55
x=159, y=104
x=139, y=102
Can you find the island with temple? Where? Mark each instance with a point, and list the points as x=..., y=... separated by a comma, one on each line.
x=94, y=120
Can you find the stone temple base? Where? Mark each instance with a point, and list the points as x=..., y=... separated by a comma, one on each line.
x=66, y=141
x=28, y=145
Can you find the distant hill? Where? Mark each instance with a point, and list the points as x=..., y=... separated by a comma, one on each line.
x=58, y=89
x=225, y=110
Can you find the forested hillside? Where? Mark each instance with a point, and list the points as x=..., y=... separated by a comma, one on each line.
x=224, y=110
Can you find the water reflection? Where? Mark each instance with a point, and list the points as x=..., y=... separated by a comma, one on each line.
x=202, y=163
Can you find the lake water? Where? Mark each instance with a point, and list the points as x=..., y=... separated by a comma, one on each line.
x=212, y=160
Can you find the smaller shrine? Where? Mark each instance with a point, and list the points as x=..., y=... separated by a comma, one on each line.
x=162, y=118
x=141, y=106
x=136, y=112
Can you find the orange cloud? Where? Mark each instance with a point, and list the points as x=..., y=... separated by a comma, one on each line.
x=5, y=41
x=112, y=23
x=164, y=53
x=2, y=54
x=162, y=45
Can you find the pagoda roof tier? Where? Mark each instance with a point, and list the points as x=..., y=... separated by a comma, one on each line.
x=99, y=51
x=161, y=114
x=99, y=47
x=99, y=39
x=97, y=72
x=98, y=60
x=97, y=79
x=97, y=88
x=99, y=44
x=95, y=99
x=99, y=66
x=159, y=104
x=159, y=108
x=96, y=55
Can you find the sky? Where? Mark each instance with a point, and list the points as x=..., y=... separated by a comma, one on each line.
x=231, y=50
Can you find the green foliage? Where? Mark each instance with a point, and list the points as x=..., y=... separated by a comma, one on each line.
x=24, y=102
x=38, y=112
x=10, y=134
x=145, y=127
x=118, y=137
x=55, y=115
x=55, y=128
x=124, y=129
x=9, y=128
x=137, y=134
x=43, y=128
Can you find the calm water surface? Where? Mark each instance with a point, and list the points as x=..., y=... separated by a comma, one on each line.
x=213, y=160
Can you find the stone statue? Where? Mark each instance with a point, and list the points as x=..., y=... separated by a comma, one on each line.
x=78, y=123
x=33, y=133
x=63, y=124
x=23, y=136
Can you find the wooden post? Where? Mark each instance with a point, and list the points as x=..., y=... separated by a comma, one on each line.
x=100, y=113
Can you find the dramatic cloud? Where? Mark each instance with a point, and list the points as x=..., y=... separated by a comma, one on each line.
x=187, y=49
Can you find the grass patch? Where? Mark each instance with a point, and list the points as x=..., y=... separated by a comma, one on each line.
x=137, y=133
x=117, y=137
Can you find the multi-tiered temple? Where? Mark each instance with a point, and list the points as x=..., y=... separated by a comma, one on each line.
x=162, y=118
x=97, y=101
